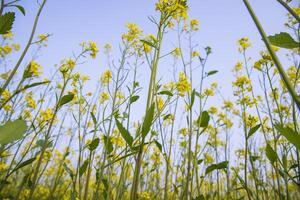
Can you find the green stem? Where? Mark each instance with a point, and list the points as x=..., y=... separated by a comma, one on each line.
x=285, y=78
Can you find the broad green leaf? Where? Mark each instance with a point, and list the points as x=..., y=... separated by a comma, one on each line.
x=65, y=99
x=6, y=22
x=203, y=119
x=221, y=165
x=125, y=134
x=94, y=144
x=148, y=120
x=108, y=144
x=271, y=154
x=25, y=163
x=83, y=168
x=283, y=40
x=289, y=134
x=133, y=99
x=165, y=92
x=12, y=131
x=212, y=72
x=253, y=130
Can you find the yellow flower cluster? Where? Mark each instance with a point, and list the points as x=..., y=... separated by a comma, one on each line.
x=105, y=77
x=104, y=96
x=93, y=49
x=243, y=82
x=194, y=23
x=5, y=95
x=183, y=85
x=46, y=115
x=134, y=32
x=177, y=9
x=30, y=101
x=243, y=44
x=33, y=70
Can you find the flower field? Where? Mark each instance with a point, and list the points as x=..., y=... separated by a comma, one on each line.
x=141, y=134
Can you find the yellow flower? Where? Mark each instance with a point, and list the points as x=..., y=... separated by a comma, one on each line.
x=5, y=95
x=176, y=52
x=6, y=49
x=213, y=110
x=134, y=32
x=160, y=103
x=93, y=49
x=8, y=35
x=195, y=54
x=47, y=114
x=242, y=81
x=227, y=104
x=184, y=131
x=183, y=85
x=177, y=9
x=208, y=159
x=105, y=77
x=238, y=66
x=144, y=196
x=32, y=70
x=30, y=101
x=104, y=96
x=108, y=47
x=194, y=23
x=243, y=44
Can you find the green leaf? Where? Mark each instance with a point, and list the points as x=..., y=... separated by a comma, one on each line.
x=94, y=144
x=283, y=40
x=68, y=170
x=94, y=118
x=133, y=99
x=83, y=168
x=212, y=72
x=193, y=97
x=25, y=163
x=203, y=119
x=6, y=22
x=253, y=130
x=221, y=165
x=21, y=9
x=12, y=131
x=108, y=144
x=35, y=84
x=159, y=146
x=65, y=99
x=148, y=120
x=125, y=134
x=149, y=44
x=165, y=92
x=42, y=143
x=200, y=161
x=200, y=197
x=289, y=134
x=271, y=154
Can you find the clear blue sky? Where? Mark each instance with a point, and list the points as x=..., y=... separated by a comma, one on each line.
x=72, y=21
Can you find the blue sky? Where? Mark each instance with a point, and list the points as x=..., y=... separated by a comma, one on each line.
x=222, y=23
